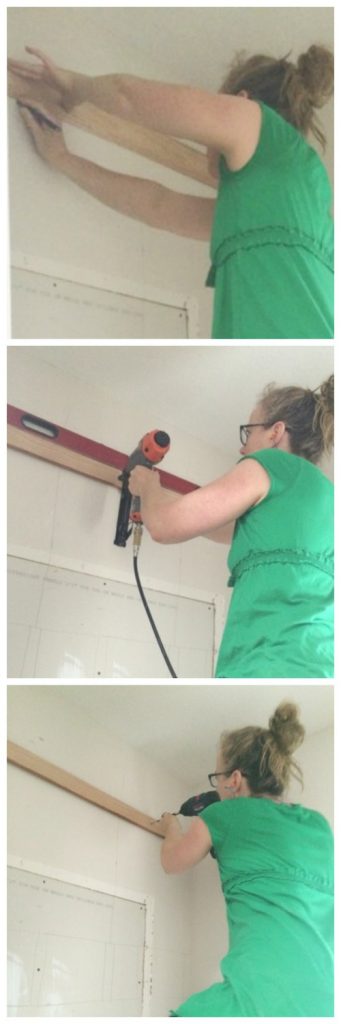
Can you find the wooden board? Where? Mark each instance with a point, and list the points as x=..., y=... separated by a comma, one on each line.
x=30, y=762
x=78, y=453
x=161, y=149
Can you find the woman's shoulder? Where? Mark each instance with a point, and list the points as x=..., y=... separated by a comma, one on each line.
x=277, y=129
x=288, y=462
x=231, y=818
x=278, y=462
x=279, y=145
x=294, y=473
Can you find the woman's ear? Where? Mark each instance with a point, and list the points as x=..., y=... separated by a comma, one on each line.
x=234, y=781
x=277, y=432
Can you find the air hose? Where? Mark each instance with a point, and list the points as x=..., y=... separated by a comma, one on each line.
x=137, y=535
x=150, y=450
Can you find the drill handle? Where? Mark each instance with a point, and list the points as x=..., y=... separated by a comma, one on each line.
x=122, y=525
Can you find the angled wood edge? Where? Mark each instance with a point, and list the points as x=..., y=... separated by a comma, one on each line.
x=44, y=448
x=25, y=759
x=76, y=452
x=161, y=149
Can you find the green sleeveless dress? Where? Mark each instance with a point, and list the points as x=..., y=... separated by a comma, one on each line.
x=276, y=869
x=280, y=620
x=272, y=241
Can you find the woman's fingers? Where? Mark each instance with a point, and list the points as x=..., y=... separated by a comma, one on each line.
x=38, y=53
x=40, y=114
x=24, y=70
x=46, y=61
x=46, y=69
x=30, y=123
x=46, y=75
x=49, y=143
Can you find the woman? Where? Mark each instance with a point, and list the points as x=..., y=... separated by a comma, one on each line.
x=275, y=861
x=270, y=228
x=277, y=508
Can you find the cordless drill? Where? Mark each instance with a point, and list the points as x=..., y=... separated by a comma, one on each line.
x=195, y=804
x=150, y=450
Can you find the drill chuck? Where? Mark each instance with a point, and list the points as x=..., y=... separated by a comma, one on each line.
x=195, y=804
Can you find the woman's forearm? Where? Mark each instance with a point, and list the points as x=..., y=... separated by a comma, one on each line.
x=131, y=196
x=123, y=95
x=146, y=201
x=158, y=515
x=104, y=91
x=171, y=841
x=203, y=510
x=176, y=110
x=135, y=99
x=161, y=517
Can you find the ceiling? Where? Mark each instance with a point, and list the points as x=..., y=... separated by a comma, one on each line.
x=179, y=725
x=204, y=391
x=185, y=44
x=189, y=45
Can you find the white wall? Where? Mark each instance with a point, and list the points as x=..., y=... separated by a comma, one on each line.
x=52, y=219
x=209, y=930
x=51, y=827
x=62, y=517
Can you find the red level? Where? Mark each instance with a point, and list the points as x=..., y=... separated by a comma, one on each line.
x=54, y=435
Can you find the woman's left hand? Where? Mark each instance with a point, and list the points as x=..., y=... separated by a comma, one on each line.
x=49, y=142
x=143, y=481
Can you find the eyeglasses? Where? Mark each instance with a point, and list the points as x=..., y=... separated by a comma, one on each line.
x=213, y=776
x=245, y=429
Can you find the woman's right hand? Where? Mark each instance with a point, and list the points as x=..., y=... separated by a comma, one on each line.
x=70, y=86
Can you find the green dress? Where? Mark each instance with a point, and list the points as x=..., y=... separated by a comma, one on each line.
x=276, y=869
x=272, y=241
x=280, y=620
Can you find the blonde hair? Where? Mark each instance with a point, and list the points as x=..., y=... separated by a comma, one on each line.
x=264, y=756
x=294, y=90
x=308, y=415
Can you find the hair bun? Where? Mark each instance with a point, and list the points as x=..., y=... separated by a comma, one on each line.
x=285, y=728
x=324, y=412
x=326, y=390
x=316, y=70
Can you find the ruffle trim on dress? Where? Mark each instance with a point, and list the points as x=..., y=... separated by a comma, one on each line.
x=294, y=874
x=268, y=235
x=289, y=556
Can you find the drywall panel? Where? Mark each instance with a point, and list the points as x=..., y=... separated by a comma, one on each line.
x=72, y=950
x=66, y=624
x=50, y=828
x=45, y=306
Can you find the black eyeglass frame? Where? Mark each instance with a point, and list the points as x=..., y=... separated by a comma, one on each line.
x=246, y=426
x=215, y=775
